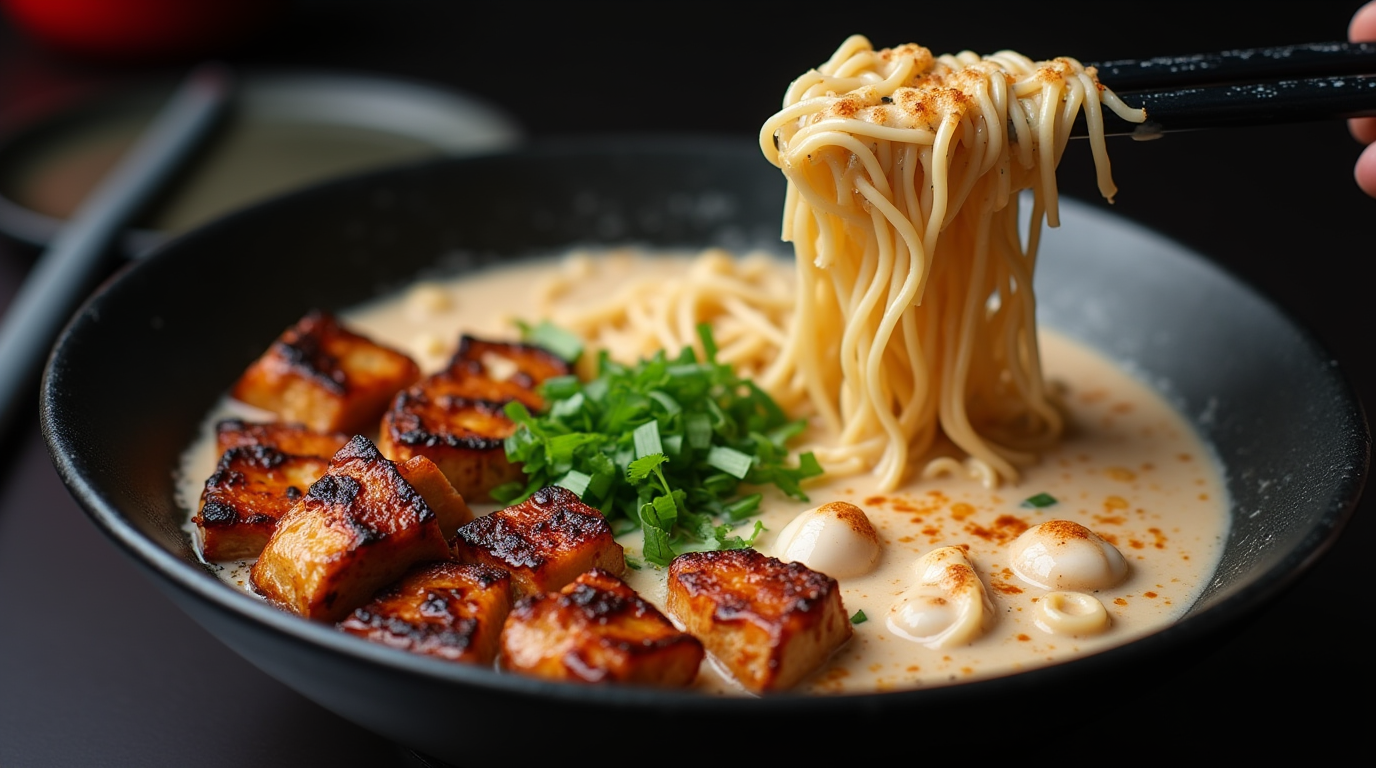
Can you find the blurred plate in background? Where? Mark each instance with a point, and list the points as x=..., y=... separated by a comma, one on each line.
x=284, y=131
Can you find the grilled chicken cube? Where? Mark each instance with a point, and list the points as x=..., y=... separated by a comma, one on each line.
x=264, y=469
x=320, y=373
x=596, y=630
x=523, y=364
x=464, y=435
x=447, y=503
x=252, y=487
x=359, y=527
x=769, y=622
x=450, y=610
x=256, y=483
x=545, y=541
x=457, y=417
x=287, y=437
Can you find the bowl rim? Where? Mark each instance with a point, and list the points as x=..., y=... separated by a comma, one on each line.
x=192, y=579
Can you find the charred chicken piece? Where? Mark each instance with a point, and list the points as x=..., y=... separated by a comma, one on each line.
x=464, y=435
x=770, y=623
x=449, y=506
x=252, y=487
x=359, y=528
x=320, y=373
x=526, y=365
x=545, y=541
x=287, y=437
x=457, y=417
x=449, y=610
x=596, y=630
x=264, y=469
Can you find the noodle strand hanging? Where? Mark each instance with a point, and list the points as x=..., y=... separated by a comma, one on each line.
x=904, y=171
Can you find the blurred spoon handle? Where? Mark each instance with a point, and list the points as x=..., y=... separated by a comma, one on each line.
x=81, y=255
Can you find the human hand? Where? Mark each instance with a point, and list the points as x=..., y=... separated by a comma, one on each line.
x=1362, y=29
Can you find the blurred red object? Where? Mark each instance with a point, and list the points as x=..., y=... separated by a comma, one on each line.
x=139, y=30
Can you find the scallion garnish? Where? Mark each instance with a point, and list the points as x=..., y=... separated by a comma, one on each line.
x=729, y=460
x=553, y=338
x=1039, y=501
x=663, y=445
x=859, y=618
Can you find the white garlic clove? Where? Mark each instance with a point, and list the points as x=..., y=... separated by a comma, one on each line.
x=1061, y=554
x=1070, y=613
x=836, y=538
x=947, y=607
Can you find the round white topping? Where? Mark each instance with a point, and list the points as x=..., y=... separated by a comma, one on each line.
x=1060, y=554
x=836, y=539
x=1070, y=613
x=947, y=607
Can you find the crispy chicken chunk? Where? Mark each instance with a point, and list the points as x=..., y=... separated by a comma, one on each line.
x=596, y=630
x=264, y=469
x=526, y=364
x=287, y=437
x=770, y=623
x=545, y=541
x=449, y=506
x=457, y=417
x=465, y=436
x=358, y=528
x=252, y=487
x=449, y=610
x=320, y=373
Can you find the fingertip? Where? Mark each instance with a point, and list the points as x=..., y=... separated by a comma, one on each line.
x=1365, y=172
x=1363, y=129
x=1362, y=28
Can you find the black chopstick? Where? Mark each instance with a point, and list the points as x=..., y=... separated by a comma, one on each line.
x=1246, y=104
x=81, y=254
x=1286, y=62
x=1260, y=86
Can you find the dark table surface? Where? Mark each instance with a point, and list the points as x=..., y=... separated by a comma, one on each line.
x=98, y=668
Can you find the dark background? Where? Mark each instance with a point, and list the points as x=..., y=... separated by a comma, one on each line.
x=97, y=668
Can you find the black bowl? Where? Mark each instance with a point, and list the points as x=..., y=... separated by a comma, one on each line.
x=136, y=371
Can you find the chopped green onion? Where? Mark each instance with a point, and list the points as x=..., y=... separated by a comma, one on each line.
x=743, y=507
x=1039, y=501
x=709, y=344
x=730, y=461
x=561, y=448
x=663, y=445
x=698, y=429
x=669, y=404
x=553, y=338
x=859, y=618
x=562, y=387
x=575, y=481
x=568, y=407
x=647, y=441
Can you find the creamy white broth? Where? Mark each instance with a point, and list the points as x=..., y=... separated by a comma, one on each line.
x=1130, y=469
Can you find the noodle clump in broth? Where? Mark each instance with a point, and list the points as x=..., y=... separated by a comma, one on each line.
x=917, y=326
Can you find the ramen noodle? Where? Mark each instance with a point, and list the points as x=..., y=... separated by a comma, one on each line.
x=903, y=177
